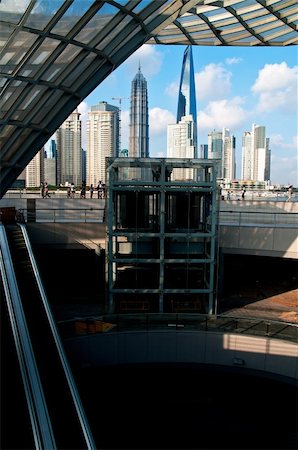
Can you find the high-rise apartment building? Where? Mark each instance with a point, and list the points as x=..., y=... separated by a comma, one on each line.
x=34, y=170
x=139, y=118
x=180, y=145
x=102, y=140
x=69, y=150
x=221, y=146
x=50, y=163
x=228, y=160
x=255, y=154
x=187, y=94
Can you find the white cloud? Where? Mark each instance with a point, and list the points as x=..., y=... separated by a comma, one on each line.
x=284, y=170
x=277, y=87
x=277, y=141
x=172, y=89
x=148, y=57
x=213, y=82
x=159, y=119
x=222, y=114
x=233, y=60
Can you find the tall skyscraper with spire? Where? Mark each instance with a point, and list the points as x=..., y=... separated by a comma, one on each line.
x=182, y=136
x=187, y=94
x=139, y=118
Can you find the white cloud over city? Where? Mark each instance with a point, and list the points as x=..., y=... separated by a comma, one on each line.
x=213, y=82
x=276, y=87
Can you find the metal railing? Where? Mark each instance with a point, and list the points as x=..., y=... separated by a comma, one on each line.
x=63, y=215
x=260, y=218
x=181, y=321
x=97, y=215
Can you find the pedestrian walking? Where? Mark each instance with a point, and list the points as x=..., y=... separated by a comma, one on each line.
x=72, y=190
x=46, y=191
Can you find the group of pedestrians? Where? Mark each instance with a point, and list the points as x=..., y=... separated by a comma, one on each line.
x=100, y=189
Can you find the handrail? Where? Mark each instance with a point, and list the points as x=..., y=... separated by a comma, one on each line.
x=96, y=215
x=39, y=416
x=70, y=380
x=187, y=321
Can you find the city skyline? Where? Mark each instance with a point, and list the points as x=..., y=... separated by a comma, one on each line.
x=235, y=87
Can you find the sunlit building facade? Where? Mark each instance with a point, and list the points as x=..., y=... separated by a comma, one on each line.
x=256, y=155
x=102, y=140
x=187, y=94
x=69, y=150
x=139, y=118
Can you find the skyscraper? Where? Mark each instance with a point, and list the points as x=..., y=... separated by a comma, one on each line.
x=180, y=145
x=69, y=150
x=221, y=146
x=187, y=94
x=139, y=118
x=255, y=154
x=34, y=170
x=102, y=140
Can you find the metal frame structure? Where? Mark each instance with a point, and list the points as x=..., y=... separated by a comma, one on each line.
x=54, y=54
x=161, y=235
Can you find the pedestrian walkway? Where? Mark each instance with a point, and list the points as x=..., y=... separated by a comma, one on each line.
x=283, y=306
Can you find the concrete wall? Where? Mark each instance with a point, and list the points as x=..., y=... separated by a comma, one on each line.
x=271, y=356
x=260, y=241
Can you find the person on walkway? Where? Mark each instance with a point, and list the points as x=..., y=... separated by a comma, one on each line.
x=99, y=189
x=83, y=191
x=46, y=191
x=72, y=190
x=42, y=189
x=243, y=192
x=91, y=191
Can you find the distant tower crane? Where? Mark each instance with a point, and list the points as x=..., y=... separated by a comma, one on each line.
x=120, y=103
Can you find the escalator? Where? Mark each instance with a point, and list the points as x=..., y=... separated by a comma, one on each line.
x=33, y=357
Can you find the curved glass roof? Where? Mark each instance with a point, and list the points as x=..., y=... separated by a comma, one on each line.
x=53, y=53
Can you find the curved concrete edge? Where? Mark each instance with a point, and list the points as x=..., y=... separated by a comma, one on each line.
x=268, y=355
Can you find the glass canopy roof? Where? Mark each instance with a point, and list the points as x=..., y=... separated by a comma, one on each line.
x=53, y=53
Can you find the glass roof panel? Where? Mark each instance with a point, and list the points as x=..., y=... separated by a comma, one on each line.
x=96, y=24
x=79, y=70
x=40, y=55
x=73, y=14
x=6, y=30
x=10, y=96
x=42, y=13
x=16, y=50
x=63, y=60
x=12, y=10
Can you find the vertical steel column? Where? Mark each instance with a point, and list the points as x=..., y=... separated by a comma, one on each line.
x=162, y=238
x=112, y=203
x=211, y=306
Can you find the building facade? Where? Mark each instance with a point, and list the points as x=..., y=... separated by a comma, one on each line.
x=256, y=155
x=139, y=118
x=221, y=146
x=69, y=151
x=102, y=141
x=180, y=144
x=34, y=170
x=187, y=94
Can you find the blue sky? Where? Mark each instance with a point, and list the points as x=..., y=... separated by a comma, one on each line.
x=235, y=87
